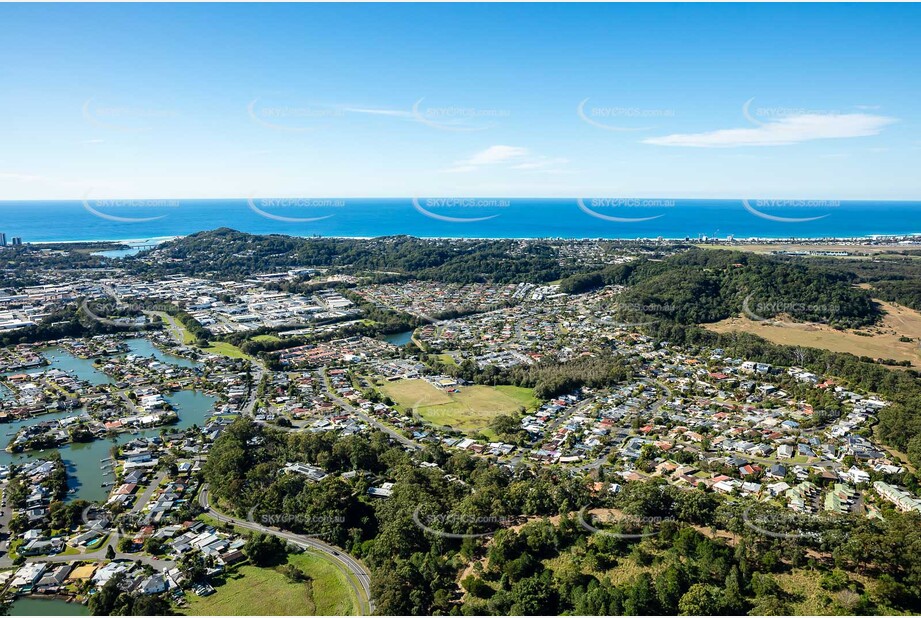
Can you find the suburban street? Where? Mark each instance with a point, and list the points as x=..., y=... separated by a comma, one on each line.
x=144, y=498
x=396, y=435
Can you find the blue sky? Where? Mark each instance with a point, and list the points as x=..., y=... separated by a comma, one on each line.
x=657, y=100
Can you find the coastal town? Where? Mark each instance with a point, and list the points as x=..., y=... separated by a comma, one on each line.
x=460, y=309
x=147, y=402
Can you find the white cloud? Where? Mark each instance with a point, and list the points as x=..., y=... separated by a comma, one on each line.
x=508, y=157
x=497, y=154
x=379, y=112
x=461, y=169
x=540, y=163
x=783, y=132
x=21, y=177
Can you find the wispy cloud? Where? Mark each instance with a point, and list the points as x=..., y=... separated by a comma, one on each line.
x=94, y=141
x=509, y=158
x=380, y=112
x=498, y=154
x=540, y=163
x=783, y=132
x=19, y=177
x=494, y=155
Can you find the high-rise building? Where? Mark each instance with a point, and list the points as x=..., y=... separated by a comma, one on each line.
x=2, y=239
x=17, y=241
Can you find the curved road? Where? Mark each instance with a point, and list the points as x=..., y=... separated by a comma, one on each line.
x=344, y=562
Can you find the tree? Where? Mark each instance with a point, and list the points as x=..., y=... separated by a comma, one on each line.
x=641, y=599
x=103, y=602
x=700, y=600
x=914, y=451
x=125, y=545
x=670, y=586
x=764, y=584
x=505, y=425
x=533, y=596
x=265, y=550
x=477, y=587
x=153, y=546
x=151, y=605
x=192, y=566
x=733, y=600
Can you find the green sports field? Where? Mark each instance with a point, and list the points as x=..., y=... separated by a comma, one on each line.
x=469, y=410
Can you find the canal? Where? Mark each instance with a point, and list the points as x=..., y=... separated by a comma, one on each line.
x=85, y=474
x=399, y=339
x=38, y=606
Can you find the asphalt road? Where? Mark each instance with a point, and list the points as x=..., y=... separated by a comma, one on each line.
x=343, y=561
x=144, y=498
x=393, y=433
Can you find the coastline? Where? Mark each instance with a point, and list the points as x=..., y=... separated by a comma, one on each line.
x=126, y=241
x=907, y=238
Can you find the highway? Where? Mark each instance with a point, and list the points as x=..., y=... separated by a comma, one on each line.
x=344, y=562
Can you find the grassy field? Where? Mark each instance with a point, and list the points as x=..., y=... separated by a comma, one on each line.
x=225, y=349
x=468, y=410
x=876, y=341
x=172, y=323
x=254, y=591
x=447, y=359
x=264, y=338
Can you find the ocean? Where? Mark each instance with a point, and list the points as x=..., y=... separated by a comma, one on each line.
x=460, y=218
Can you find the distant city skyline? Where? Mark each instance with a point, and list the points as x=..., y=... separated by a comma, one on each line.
x=660, y=100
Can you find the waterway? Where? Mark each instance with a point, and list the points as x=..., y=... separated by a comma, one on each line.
x=38, y=606
x=143, y=347
x=399, y=338
x=85, y=473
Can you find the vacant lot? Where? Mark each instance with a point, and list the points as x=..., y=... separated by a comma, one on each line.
x=470, y=409
x=254, y=591
x=876, y=341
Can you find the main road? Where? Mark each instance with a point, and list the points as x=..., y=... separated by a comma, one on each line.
x=344, y=562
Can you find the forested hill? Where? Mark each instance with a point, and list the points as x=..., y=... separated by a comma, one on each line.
x=690, y=287
x=702, y=286
x=229, y=253
x=893, y=277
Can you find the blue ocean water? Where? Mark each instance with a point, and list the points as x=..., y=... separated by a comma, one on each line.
x=459, y=218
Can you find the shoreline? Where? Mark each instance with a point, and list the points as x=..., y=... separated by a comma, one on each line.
x=907, y=238
x=125, y=241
